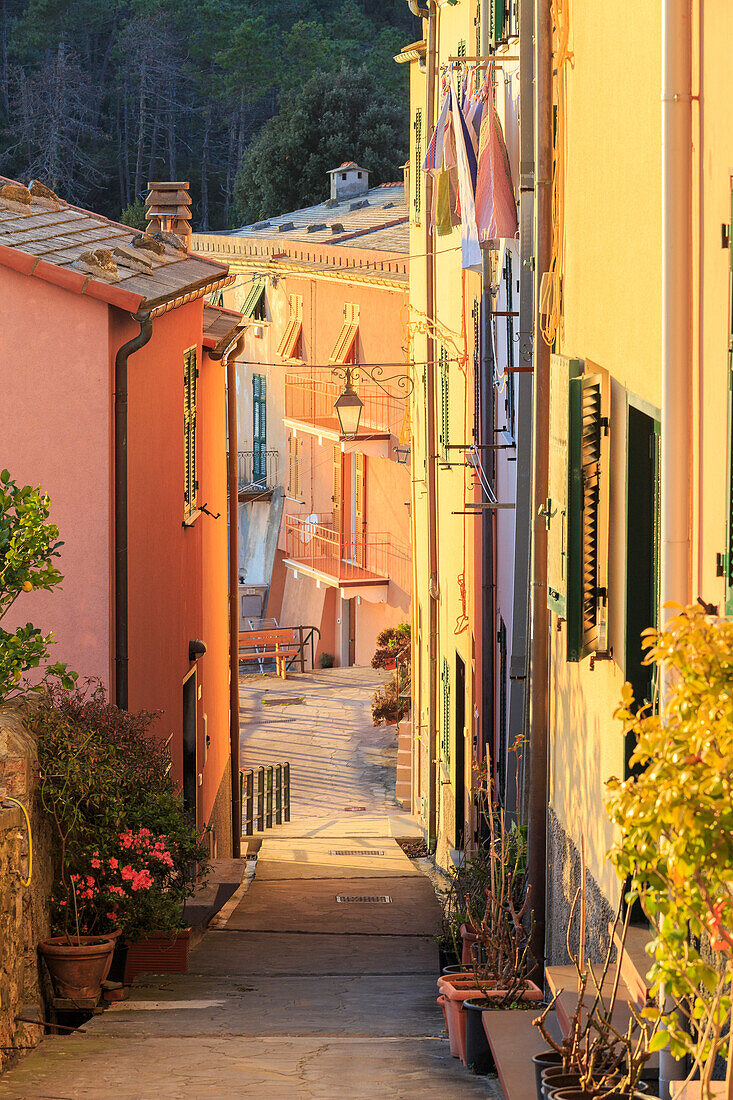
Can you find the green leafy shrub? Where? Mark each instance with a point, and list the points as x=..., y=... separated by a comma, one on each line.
x=675, y=822
x=29, y=546
x=392, y=642
x=126, y=850
x=387, y=706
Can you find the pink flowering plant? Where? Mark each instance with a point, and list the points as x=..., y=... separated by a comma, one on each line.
x=127, y=854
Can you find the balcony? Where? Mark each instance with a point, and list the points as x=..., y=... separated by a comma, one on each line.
x=357, y=565
x=257, y=474
x=309, y=407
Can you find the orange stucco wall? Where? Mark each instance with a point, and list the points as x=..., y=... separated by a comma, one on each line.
x=55, y=432
x=178, y=575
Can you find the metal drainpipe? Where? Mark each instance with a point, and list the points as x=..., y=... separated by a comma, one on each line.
x=487, y=426
x=120, y=474
x=229, y=355
x=434, y=591
x=676, y=336
x=539, y=645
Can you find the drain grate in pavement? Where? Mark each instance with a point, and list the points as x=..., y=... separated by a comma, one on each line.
x=354, y=809
x=370, y=899
x=285, y=701
x=355, y=852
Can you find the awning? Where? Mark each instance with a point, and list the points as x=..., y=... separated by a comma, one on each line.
x=291, y=339
x=254, y=297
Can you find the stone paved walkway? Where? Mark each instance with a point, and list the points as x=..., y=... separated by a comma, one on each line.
x=295, y=995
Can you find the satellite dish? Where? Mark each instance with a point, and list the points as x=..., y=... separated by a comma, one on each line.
x=308, y=527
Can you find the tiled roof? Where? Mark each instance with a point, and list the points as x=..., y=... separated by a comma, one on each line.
x=378, y=219
x=220, y=326
x=88, y=254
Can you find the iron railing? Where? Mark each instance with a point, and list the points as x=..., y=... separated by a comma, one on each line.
x=264, y=797
x=310, y=398
x=347, y=557
x=257, y=469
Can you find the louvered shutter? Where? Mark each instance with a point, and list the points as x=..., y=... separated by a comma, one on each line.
x=445, y=739
x=509, y=392
x=728, y=555
x=476, y=314
x=418, y=163
x=259, y=427
x=498, y=17
x=360, y=502
x=336, y=498
x=190, y=486
x=584, y=515
x=444, y=403
x=556, y=508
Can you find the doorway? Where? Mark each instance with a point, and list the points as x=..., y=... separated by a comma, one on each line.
x=190, y=767
x=460, y=754
x=347, y=633
x=642, y=553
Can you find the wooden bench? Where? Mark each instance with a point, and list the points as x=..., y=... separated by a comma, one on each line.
x=260, y=645
x=514, y=1040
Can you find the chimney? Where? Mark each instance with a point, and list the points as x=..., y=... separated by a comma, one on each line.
x=169, y=210
x=348, y=181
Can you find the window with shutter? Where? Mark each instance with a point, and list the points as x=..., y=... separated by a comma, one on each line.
x=445, y=732
x=509, y=376
x=577, y=507
x=477, y=27
x=259, y=428
x=425, y=417
x=461, y=51
x=190, y=482
x=444, y=404
x=498, y=19
x=337, y=490
x=476, y=314
x=417, y=125
x=728, y=555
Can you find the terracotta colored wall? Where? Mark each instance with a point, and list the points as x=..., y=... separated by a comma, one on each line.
x=176, y=570
x=55, y=431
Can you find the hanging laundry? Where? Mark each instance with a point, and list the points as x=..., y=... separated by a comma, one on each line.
x=496, y=209
x=433, y=162
x=467, y=172
x=443, y=212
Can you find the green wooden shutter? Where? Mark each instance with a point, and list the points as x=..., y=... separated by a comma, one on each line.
x=461, y=51
x=556, y=509
x=426, y=456
x=509, y=392
x=477, y=27
x=259, y=427
x=418, y=163
x=445, y=732
x=584, y=515
x=444, y=404
x=728, y=555
x=190, y=376
x=498, y=17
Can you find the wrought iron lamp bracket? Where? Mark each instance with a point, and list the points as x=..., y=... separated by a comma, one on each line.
x=350, y=373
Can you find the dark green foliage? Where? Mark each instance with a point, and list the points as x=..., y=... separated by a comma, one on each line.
x=330, y=119
x=99, y=96
x=392, y=642
x=134, y=215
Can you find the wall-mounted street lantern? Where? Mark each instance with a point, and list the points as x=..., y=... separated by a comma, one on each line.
x=402, y=455
x=348, y=409
x=348, y=404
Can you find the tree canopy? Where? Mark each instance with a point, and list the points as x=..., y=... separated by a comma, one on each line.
x=99, y=96
x=332, y=118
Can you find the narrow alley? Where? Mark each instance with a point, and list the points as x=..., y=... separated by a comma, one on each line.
x=318, y=979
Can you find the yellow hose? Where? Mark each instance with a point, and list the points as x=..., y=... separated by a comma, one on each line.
x=25, y=881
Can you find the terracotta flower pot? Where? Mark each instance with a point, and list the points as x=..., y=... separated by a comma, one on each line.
x=468, y=937
x=77, y=968
x=457, y=988
x=159, y=954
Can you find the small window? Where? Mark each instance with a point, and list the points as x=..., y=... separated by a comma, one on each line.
x=359, y=174
x=343, y=175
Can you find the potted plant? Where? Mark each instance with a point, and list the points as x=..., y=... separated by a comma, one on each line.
x=674, y=816
x=127, y=856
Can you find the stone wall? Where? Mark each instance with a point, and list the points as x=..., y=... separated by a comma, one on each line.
x=24, y=911
x=564, y=876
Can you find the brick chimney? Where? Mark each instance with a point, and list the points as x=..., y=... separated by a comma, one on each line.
x=169, y=209
x=348, y=181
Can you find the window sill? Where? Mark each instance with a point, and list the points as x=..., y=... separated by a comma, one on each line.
x=190, y=520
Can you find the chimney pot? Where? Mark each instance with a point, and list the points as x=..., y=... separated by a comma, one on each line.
x=348, y=181
x=168, y=209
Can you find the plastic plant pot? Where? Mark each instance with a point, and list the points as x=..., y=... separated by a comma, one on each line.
x=460, y=988
x=541, y=1061
x=555, y=1077
x=478, y=1050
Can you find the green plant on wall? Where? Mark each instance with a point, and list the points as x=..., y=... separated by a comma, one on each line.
x=675, y=822
x=29, y=546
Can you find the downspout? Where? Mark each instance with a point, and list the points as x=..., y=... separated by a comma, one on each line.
x=120, y=476
x=229, y=355
x=539, y=643
x=433, y=590
x=676, y=336
x=487, y=426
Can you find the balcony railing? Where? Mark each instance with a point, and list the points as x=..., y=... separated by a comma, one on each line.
x=313, y=541
x=310, y=398
x=257, y=470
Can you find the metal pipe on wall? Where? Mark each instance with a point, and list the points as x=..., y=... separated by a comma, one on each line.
x=122, y=685
x=539, y=623
x=676, y=364
x=230, y=359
